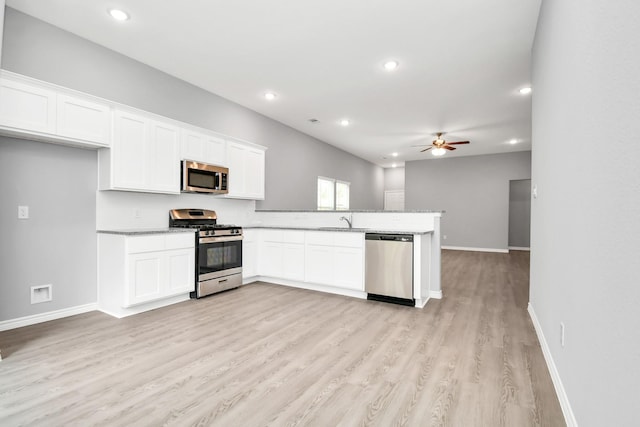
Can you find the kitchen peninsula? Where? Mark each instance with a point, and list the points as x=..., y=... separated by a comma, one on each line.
x=325, y=250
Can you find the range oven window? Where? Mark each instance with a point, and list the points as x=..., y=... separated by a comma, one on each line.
x=219, y=256
x=203, y=179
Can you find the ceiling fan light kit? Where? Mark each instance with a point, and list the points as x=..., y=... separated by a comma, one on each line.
x=440, y=146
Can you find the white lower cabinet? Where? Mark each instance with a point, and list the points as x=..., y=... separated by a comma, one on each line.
x=335, y=259
x=135, y=270
x=250, y=239
x=282, y=254
x=326, y=258
x=293, y=255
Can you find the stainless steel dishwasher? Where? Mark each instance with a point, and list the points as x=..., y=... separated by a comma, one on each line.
x=389, y=268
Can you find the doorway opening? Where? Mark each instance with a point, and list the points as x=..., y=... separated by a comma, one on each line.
x=520, y=214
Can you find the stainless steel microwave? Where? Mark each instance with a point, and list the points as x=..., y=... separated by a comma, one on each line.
x=199, y=177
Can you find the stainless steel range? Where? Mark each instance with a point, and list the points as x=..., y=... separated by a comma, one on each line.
x=218, y=250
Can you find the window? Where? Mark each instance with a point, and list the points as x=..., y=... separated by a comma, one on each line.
x=332, y=194
x=342, y=196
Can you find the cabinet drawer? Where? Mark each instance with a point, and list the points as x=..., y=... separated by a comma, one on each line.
x=292, y=236
x=272, y=235
x=138, y=244
x=320, y=237
x=180, y=240
x=349, y=240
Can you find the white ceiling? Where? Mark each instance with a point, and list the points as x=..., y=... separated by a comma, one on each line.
x=462, y=63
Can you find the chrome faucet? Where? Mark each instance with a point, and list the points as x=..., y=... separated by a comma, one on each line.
x=348, y=220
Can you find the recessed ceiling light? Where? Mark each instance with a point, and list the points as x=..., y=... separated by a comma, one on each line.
x=394, y=154
x=270, y=96
x=393, y=165
x=391, y=65
x=344, y=122
x=118, y=14
x=513, y=141
x=525, y=90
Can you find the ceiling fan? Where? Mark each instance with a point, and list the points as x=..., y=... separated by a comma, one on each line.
x=440, y=146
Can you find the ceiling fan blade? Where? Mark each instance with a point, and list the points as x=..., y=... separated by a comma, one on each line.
x=428, y=148
x=446, y=147
x=459, y=142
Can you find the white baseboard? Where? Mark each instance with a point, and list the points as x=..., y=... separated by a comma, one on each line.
x=5, y=325
x=518, y=248
x=462, y=248
x=435, y=294
x=569, y=418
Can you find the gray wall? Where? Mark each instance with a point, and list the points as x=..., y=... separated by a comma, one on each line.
x=294, y=160
x=520, y=213
x=474, y=192
x=585, y=244
x=393, y=179
x=57, y=245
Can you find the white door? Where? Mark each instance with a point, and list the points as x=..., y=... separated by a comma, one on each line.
x=236, y=165
x=181, y=274
x=163, y=158
x=394, y=200
x=85, y=120
x=145, y=278
x=129, y=145
x=27, y=107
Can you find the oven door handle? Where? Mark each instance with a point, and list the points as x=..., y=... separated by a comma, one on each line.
x=219, y=239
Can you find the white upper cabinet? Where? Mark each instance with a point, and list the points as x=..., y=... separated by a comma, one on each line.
x=163, y=174
x=144, y=156
x=40, y=111
x=81, y=119
x=27, y=107
x=246, y=165
x=202, y=147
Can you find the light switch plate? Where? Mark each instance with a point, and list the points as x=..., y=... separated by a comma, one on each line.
x=23, y=212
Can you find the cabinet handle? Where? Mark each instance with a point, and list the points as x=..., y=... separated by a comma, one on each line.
x=223, y=280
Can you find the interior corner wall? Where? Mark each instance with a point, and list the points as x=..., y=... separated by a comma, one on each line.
x=294, y=160
x=585, y=244
x=474, y=193
x=57, y=244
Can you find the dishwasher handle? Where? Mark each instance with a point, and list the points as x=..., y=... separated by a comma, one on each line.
x=389, y=237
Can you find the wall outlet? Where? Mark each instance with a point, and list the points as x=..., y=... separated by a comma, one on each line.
x=23, y=212
x=444, y=237
x=562, y=334
x=42, y=293
x=137, y=214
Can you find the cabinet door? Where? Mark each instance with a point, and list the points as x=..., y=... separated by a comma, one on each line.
x=293, y=261
x=181, y=271
x=349, y=268
x=249, y=258
x=271, y=259
x=145, y=278
x=236, y=165
x=163, y=159
x=214, y=151
x=81, y=119
x=27, y=107
x=254, y=173
x=130, y=154
x=319, y=264
x=191, y=145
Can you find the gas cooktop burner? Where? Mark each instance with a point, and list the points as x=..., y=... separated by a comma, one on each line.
x=203, y=220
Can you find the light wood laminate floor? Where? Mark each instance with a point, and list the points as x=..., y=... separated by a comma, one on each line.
x=268, y=355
